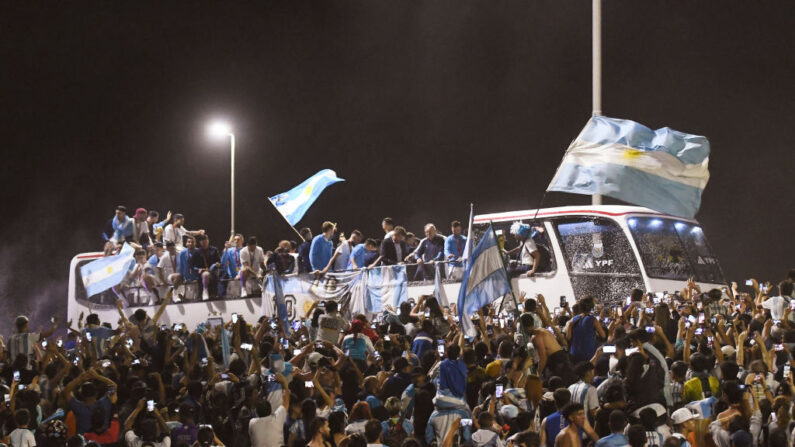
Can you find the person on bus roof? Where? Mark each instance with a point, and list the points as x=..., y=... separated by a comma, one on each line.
x=528, y=257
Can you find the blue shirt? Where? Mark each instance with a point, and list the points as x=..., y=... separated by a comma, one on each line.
x=453, y=377
x=357, y=254
x=153, y=261
x=123, y=228
x=230, y=262
x=370, y=257
x=422, y=342
x=613, y=440
x=83, y=413
x=430, y=249
x=320, y=252
x=183, y=266
x=454, y=247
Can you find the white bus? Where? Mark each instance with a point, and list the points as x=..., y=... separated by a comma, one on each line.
x=604, y=251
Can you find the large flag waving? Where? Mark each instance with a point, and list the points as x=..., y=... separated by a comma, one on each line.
x=664, y=169
x=104, y=273
x=294, y=203
x=485, y=280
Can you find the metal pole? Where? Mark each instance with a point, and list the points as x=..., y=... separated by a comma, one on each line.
x=596, y=75
x=232, y=186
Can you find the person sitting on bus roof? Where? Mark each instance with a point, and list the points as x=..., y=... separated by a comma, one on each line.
x=155, y=227
x=230, y=261
x=528, y=252
x=206, y=262
x=168, y=267
x=430, y=249
x=281, y=260
x=252, y=259
x=454, y=249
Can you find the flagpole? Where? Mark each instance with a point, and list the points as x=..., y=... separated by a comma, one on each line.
x=596, y=70
x=285, y=219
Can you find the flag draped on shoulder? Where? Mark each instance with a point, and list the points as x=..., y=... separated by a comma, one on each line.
x=485, y=280
x=294, y=203
x=664, y=169
x=104, y=273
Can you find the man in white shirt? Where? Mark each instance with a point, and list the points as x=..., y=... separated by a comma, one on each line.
x=176, y=231
x=252, y=259
x=21, y=436
x=339, y=261
x=268, y=429
x=167, y=266
x=777, y=305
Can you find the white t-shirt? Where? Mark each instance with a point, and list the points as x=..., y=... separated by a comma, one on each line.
x=268, y=431
x=341, y=261
x=777, y=305
x=168, y=264
x=133, y=440
x=174, y=234
x=527, y=250
x=254, y=260
x=21, y=437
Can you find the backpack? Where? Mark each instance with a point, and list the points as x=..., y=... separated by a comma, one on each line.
x=395, y=433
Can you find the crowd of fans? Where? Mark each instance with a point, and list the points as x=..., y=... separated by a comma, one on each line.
x=169, y=255
x=690, y=369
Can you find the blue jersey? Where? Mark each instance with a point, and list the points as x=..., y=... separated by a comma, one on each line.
x=183, y=266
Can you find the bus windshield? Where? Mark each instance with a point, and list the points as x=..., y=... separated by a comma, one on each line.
x=675, y=250
x=595, y=246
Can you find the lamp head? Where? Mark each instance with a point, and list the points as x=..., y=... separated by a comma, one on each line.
x=219, y=129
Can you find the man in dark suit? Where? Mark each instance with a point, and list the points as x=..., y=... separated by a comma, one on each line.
x=394, y=248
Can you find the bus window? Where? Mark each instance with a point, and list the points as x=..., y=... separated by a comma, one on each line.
x=508, y=242
x=660, y=248
x=675, y=250
x=595, y=246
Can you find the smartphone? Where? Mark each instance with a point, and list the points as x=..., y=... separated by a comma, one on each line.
x=650, y=329
x=649, y=310
x=271, y=378
x=700, y=305
x=701, y=318
x=296, y=352
x=786, y=370
x=691, y=319
x=130, y=342
x=16, y=376
x=44, y=344
x=609, y=349
x=246, y=346
x=8, y=398
x=630, y=351
x=792, y=305
x=563, y=302
x=779, y=347
x=134, y=362
x=749, y=283
x=273, y=324
x=106, y=363
x=20, y=387
x=224, y=376
x=347, y=353
x=498, y=392
x=59, y=343
x=76, y=361
x=234, y=317
x=178, y=326
x=549, y=328
x=386, y=338
x=150, y=406
x=215, y=322
x=620, y=312
x=742, y=386
x=427, y=313
x=466, y=422
x=88, y=336
x=629, y=300
x=309, y=384
x=440, y=348
x=710, y=340
x=303, y=338
x=52, y=319
x=699, y=331
x=205, y=361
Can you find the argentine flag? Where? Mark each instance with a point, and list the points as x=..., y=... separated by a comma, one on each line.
x=664, y=169
x=438, y=287
x=386, y=286
x=484, y=280
x=294, y=203
x=104, y=273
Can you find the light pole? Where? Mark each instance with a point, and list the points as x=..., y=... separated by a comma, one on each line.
x=219, y=130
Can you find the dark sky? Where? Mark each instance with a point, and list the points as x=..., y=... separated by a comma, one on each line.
x=423, y=106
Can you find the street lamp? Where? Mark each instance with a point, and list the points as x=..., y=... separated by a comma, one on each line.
x=218, y=130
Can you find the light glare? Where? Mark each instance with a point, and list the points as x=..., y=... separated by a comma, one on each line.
x=219, y=129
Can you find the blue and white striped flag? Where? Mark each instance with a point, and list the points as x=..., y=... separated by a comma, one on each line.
x=104, y=273
x=386, y=286
x=485, y=280
x=294, y=203
x=281, y=307
x=664, y=169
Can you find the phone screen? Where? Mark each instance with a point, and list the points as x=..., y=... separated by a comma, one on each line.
x=150, y=406
x=786, y=371
x=609, y=349
x=466, y=422
x=440, y=348
x=16, y=376
x=309, y=384
x=630, y=351
x=234, y=318
x=748, y=282
x=498, y=392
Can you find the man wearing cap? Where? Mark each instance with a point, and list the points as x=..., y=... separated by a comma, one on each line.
x=684, y=424
x=616, y=438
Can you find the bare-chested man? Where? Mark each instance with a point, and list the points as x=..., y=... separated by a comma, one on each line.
x=552, y=359
x=571, y=436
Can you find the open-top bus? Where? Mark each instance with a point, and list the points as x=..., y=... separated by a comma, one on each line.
x=604, y=251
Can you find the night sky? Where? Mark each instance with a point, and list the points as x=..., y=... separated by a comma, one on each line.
x=423, y=106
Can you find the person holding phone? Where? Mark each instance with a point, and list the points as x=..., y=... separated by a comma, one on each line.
x=147, y=430
x=453, y=372
x=84, y=407
x=23, y=341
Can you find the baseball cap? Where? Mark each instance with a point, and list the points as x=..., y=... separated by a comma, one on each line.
x=140, y=211
x=314, y=357
x=682, y=415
